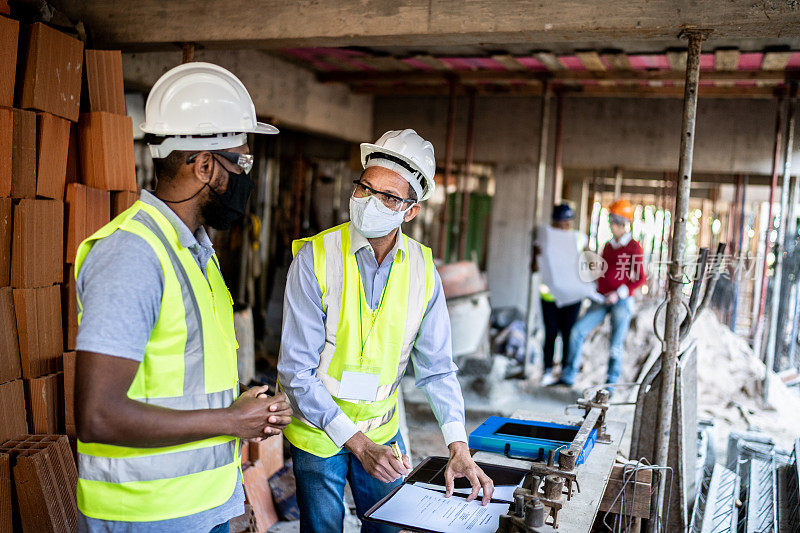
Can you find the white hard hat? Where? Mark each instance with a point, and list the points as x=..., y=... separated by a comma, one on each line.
x=200, y=106
x=408, y=154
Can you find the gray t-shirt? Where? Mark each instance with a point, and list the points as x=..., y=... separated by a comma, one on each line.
x=120, y=286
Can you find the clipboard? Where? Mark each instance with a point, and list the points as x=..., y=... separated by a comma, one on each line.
x=431, y=470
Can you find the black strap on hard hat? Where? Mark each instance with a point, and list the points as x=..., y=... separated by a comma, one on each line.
x=402, y=163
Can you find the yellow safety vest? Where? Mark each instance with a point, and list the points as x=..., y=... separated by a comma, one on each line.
x=387, y=334
x=189, y=363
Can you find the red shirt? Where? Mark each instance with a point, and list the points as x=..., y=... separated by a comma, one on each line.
x=625, y=267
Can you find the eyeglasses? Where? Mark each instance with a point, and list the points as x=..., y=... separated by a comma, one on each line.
x=395, y=203
x=243, y=161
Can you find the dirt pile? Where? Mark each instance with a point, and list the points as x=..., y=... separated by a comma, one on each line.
x=729, y=386
x=730, y=376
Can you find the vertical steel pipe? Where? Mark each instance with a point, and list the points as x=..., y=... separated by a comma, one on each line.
x=777, y=305
x=448, y=166
x=770, y=223
x=671, y=342
x=538, y=200
x=739, y=247
x=462, y=232
x=558, y=167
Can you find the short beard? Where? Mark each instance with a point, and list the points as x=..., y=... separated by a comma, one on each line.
x=213, y=213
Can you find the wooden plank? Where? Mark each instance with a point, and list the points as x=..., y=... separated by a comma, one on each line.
x=418, y=76
x=579, y=513
x=635, y=494
x=677, y=59
x=591, y=60
x=617, y=60
x=338, y=63
x=775, y=60
x=726, y=59
x=535, y=89
x=433, y=62
x=549, y=60
x=384, y=63
x=509, y=62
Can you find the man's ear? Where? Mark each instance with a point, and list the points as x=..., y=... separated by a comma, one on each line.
x=203, y=167
x=412, y=212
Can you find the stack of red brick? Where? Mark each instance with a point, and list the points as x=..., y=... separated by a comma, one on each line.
x=260, y=461
x=38, y=472
x=66, y=167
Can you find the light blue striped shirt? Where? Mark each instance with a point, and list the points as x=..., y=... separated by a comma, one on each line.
x=303, y=338
x=120, y=286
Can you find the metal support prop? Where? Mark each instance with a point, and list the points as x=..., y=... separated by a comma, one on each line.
x=617, y=183
x=762, y=303
x=780, y=246
x=739, y=244
x=448, y=165
x=671, y=343
x=558, y=167
x=462, y=232
x=538, y=200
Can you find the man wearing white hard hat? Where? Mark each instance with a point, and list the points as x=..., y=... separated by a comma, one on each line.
x=160, y=416
x=362, y=299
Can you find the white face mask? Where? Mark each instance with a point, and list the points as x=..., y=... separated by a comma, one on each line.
x=372, y=219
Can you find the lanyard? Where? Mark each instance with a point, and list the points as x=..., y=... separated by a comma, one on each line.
x=376, y=313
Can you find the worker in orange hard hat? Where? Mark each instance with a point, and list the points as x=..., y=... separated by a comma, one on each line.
x=624, y=275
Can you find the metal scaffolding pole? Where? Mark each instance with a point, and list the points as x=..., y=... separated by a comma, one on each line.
x=558, y=167
x=671, y=341
x=462, y=232
x=776, y=299
x=448, y=166
x=538, y=200
x=762, y=301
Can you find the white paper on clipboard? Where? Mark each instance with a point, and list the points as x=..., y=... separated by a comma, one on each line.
x=413, y=506
x=559, y=264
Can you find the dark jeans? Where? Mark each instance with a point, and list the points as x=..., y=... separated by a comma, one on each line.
x=221, y=528
x=557, y=320
x=320, y=490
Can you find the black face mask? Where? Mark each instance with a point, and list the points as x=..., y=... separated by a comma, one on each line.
x=224, y=209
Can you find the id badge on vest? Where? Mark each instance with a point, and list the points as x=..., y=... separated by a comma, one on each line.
x=359, y=383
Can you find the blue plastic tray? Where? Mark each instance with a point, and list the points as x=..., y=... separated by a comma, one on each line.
x=527, y=438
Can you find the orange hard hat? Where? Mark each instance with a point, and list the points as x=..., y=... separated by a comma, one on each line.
x=622, y=208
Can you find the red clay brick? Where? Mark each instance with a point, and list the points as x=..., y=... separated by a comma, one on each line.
x=259, y=495
x=69, y=394
x=6, y=521
x=9, y=342
x=38, y=314
x=87, y=211
x=37, y=245
x=52, y=144
x=12, y=410
x=6, y=218
x=269, y=452
x=45, y=403
x=45, y=478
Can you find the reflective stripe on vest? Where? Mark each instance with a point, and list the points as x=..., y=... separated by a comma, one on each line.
x=189, y=363
x=349, y=323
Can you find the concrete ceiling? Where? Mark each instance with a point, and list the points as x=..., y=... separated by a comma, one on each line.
x=458, y=27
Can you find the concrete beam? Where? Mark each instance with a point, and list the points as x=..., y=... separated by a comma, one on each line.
x=277, y=23
x=282, y=92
